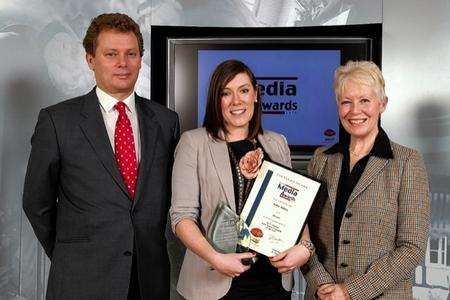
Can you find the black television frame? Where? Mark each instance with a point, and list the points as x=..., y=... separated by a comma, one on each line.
x=161, y=35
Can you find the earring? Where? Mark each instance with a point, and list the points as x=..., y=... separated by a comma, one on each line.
x=256, y=100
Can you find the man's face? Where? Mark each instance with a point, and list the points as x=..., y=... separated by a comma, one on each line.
x=116, y=62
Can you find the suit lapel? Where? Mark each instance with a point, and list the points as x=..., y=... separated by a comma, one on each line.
x=94, y=129
x=333, y=171
x=148, y=131
x=270, y=148
x=221, y=161
x=374, y=166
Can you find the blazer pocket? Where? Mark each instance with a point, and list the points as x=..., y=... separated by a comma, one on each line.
x=74, y=239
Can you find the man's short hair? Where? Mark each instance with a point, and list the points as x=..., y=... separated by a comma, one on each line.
x=111, y=21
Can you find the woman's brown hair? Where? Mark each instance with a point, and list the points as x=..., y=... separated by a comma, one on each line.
x=223, y=74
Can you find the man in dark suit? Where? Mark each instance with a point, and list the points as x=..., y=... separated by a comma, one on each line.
x=97, y=187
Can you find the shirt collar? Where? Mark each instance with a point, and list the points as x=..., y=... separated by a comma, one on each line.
x=381, y=147
x=107, y=101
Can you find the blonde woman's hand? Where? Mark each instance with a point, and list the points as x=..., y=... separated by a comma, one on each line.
x=333, y=292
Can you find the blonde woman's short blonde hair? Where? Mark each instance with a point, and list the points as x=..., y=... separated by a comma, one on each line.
x=360, y=72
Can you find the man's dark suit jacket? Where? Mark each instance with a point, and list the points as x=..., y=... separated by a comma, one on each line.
x=79, y=207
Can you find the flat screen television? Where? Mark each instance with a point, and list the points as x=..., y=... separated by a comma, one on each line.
x=294, y=69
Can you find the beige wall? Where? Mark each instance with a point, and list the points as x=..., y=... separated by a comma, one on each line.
x=416, y=64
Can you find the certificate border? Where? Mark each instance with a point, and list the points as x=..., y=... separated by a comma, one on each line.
x=318, y=194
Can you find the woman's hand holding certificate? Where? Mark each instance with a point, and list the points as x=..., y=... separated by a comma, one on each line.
x=288, y=260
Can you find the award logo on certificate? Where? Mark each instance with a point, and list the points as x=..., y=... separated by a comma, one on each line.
x=277, y=207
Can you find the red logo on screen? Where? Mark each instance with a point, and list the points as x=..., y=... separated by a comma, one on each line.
x=329, y=132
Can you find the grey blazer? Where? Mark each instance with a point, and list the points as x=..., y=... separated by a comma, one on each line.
x=384, y=231
x=79, y=207
x=201, y=178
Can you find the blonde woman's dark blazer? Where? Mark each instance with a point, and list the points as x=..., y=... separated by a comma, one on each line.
x=201, y=179
x=385, y=226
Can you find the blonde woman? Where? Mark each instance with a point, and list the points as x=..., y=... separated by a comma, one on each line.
x=370, y=228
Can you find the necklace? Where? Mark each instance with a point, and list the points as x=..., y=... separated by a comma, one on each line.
x=244, y=185
x=354, y=153
x=357, y=155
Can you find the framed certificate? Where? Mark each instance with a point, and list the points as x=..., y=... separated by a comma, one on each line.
x=277, y=207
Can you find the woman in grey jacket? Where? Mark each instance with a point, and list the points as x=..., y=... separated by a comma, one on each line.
x=206, y=171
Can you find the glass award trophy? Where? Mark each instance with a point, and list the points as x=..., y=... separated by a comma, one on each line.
x=228, y=233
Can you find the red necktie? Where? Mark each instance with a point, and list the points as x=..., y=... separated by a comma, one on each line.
x=125, y=151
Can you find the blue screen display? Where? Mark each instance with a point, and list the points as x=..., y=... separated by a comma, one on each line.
x=296, y=86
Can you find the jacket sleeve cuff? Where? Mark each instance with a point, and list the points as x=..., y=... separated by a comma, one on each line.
x=315, y=274
x=359, y=288
x=176, y=217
